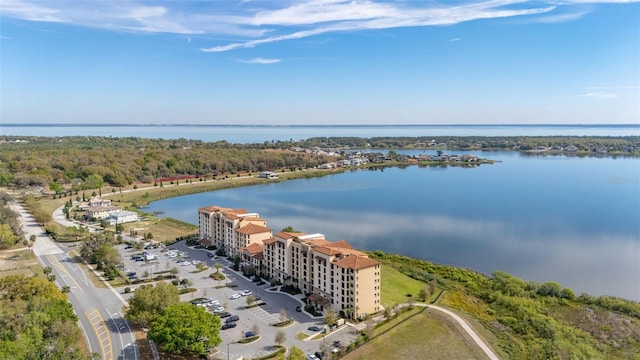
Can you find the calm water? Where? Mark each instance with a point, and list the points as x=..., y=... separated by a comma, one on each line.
x=571, y=220
x=259, y=134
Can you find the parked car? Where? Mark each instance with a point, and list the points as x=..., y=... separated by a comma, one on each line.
x=260, y=283
x=218, y=309
x=129, y=246
x=255, y=279
x=318, y=354
x=245, y=293
x=230, y=325
x=313, y=328
x=248, y=333
x=224, y=314
x=234, y=296
x=232, y=318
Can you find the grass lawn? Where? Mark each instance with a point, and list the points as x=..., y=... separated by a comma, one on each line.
x=426, y=335
x=395, y=287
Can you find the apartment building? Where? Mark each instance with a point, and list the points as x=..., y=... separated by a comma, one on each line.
x=337, y=275
x=334, y=274
x=231, y=229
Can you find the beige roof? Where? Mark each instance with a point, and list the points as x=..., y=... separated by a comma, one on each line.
x=269, y=241
x=340, y=244
x=289, y=235
x=252, y=229
x=326, y=250
x=356, y=262
x=252, y=249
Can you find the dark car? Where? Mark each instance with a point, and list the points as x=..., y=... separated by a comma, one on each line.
x=260, y=282
x=298, y=309
x=314, y=328
x=318, y=354
x=210, y=255
x=256, y=279
x=129, y=246
x=232, y=318
x=248, y=333
x=228, y=325
x=224, y=314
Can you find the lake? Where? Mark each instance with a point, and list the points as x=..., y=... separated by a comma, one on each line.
x=259, y=134
x=542, y=218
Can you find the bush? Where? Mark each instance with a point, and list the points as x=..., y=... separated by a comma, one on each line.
x=127, y=290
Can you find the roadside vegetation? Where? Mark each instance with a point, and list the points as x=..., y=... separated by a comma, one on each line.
x=529, y=320
x=37, y=321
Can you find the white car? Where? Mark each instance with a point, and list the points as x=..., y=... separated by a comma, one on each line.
x=218, y=309
x=235, y=296
x=185, y=263
x=245, y=293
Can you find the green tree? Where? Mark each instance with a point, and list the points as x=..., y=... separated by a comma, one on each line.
x=47, y=270
x=330, y=316
x=250, y=300
x=149, y=301
x=7, y=237
x=55, y=187
x=94, y=181
x=182, y=327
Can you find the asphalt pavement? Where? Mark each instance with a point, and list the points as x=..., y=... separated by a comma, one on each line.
x=99, y=310
x=261, y=317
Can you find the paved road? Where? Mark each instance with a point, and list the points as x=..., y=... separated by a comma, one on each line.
x=99, y=310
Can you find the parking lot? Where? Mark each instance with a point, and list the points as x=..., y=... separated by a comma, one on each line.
x=230, y=300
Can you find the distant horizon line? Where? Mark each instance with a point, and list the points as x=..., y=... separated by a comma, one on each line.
x=312, y=125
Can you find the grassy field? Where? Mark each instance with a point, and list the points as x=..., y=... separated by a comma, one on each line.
x=395, y=287
x=425, y=335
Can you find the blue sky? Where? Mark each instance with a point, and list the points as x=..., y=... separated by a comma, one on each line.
x=320, y=62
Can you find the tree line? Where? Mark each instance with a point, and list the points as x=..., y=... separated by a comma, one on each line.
x=82, y=163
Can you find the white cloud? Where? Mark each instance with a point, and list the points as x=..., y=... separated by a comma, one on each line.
x=599, y=95
x=558, y=18
x=260, y=60
x=28, y=11
x=455, y=39
x=267, y=22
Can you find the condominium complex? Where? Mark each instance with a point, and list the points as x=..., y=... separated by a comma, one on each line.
x=332, y=273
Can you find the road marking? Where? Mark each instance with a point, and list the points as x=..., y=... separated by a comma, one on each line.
x=264, y=315
x=56, y=264
x=101, y=329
